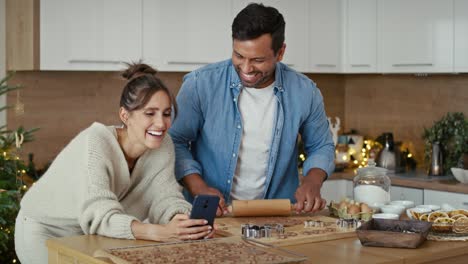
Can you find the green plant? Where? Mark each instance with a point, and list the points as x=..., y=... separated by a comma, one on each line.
x=12, y=171
x=452, y=133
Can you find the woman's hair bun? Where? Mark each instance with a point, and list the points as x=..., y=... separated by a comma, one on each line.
x=135, y=70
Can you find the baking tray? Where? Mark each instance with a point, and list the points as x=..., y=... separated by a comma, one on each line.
x=393, y=233
x=217, y=250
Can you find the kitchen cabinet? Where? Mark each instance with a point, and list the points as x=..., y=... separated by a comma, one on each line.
x=415, y=36
x=325, y=38
x=89, y=34
x=296, y=17
x=406, y=193
x=456, y=200
x=183, y=35
x=336, y=190
x=360, y=36
x=460, y=35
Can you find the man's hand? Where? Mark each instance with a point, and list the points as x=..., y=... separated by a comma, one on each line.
x=196, y=185
x=307, y=196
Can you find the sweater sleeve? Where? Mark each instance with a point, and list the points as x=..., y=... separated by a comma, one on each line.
x=167, y=197
x=100, y=210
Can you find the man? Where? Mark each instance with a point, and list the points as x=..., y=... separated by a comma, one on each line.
x=237, y=128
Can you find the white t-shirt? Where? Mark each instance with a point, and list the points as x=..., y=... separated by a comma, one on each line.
x=257, y=108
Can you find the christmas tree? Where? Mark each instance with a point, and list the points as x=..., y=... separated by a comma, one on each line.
x=13, y=171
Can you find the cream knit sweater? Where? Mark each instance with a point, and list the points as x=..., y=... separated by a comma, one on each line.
x=88, y=188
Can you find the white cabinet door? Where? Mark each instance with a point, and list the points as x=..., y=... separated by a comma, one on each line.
x=415, y=35
x=182, y=35
x=336, y=190
x=461, y=36
x=325, y=35
x=90, y=34
x=406, y=193
x=360, y=36
x=295, y=16
x=456, y=200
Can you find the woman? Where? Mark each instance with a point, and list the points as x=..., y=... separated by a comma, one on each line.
x=109, y=179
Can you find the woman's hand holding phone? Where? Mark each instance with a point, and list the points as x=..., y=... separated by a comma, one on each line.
x=181, y=227
x=184, y=228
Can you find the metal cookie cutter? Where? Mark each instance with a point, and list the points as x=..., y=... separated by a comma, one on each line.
x=348, y=223
x=255, y=231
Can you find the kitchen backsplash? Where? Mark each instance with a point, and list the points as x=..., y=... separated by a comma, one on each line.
x=63, y=103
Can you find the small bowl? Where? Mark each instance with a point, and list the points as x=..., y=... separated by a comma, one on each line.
x=431, y=207
x=393, y=209
x=386, y=216
x=376, y=206
x=460, y=174
x=417, y=212
x=406, y=203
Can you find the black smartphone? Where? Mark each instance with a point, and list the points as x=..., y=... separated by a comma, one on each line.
x=205, y=207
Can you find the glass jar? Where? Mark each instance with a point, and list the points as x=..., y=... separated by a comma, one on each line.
x=372, y=185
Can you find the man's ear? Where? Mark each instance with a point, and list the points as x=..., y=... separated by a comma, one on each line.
x=281, y=52
x=123, y=114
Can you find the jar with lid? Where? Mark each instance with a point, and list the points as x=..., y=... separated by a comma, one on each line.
x=372, y=185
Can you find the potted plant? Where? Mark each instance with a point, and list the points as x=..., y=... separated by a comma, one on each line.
x=452, y=134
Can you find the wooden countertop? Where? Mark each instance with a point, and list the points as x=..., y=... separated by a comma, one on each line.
x=416, y=179
x=80, y=249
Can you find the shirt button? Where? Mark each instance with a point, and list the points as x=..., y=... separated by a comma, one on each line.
x=239, y=127
x=233, y=154
x=229, y=181
x=234, y=99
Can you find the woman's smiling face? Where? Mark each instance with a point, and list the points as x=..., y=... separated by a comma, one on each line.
x=148, y=126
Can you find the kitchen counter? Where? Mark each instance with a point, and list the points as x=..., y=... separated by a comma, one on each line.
x=80, y=249
x=415, y=179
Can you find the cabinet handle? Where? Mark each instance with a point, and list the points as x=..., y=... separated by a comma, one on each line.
x=95, y=61
x=187, y=62
x=412, y=64
x=326, y=65
x=465, y=203
x=360, y=65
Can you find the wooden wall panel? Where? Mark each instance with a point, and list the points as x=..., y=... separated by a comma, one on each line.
x=64, y=103
x=402, y=104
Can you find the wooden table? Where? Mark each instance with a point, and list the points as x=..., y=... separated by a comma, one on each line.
x=80, y=249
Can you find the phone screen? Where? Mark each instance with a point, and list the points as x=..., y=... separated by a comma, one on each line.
x=205, y=207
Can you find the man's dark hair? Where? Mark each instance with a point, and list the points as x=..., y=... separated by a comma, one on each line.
x=255, y=20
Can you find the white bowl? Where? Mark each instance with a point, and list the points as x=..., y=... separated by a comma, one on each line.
x=417, y=210
x=432, y=207
x=376, y=206
x=393, y=209
x=406, y=203
x=386, y=216
x=460, y=174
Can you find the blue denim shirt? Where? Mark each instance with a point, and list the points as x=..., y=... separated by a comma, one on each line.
x=208, y=129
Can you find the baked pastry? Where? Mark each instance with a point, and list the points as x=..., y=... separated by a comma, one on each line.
x=443, y=224
x=458, y=211
x=424, y=217
x=461, y=225
x=437, y=214
x=457, y=216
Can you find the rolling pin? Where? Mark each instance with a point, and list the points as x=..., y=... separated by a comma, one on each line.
x=272, y=207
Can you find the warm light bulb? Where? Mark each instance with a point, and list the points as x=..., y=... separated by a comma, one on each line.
x=410, y=155
x=355, y=162
x=344, y=158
